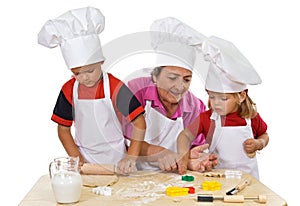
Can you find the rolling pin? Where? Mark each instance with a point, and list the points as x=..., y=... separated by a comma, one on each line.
x=97, y=169
x=232, y=198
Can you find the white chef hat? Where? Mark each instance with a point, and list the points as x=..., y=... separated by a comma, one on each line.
x=229, y=71
x=174, y=43
x=76, y=32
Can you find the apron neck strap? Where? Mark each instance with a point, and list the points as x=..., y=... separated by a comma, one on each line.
x=106, y=85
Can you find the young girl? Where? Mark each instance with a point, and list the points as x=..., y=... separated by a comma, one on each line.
x=93, y=99
x=232, y=125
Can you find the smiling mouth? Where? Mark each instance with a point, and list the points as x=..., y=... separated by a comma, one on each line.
x=176, y=95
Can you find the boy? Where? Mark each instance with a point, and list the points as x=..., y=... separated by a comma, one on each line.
x=93, y=99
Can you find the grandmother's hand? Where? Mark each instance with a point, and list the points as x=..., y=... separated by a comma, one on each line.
x=172, y=161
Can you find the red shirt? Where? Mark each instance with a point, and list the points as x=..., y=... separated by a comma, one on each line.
x=203, y=122
x=124, y=102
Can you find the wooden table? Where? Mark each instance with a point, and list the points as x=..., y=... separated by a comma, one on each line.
x=150, y=190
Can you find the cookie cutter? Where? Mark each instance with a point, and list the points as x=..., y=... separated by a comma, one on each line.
x=177, y=191
x=211, y=185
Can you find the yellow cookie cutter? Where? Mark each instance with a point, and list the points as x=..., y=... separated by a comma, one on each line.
x=177, y=191
x=211, y=185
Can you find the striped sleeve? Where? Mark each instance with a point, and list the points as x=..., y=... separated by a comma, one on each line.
x=63, y=110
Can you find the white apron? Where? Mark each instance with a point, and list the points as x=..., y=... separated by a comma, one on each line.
x=160, y=131
x=98, y=133
x=227, y=142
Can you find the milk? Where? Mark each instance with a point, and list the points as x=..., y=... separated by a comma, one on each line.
x=66, y=186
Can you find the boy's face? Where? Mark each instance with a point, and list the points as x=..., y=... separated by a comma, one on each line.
x=88, y=75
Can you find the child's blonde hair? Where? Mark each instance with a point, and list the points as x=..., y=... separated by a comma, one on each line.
x=247, y=109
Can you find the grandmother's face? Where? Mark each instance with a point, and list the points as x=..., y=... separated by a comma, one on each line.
x=172, y=83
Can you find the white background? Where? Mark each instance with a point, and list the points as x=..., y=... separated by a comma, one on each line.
x=31, y=77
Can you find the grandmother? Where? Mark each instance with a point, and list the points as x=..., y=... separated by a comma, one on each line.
x=168, y=103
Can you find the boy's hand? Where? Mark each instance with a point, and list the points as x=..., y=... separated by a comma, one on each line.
x=126, y=165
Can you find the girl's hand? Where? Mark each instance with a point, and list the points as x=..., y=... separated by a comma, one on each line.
x=197, y=151
x=197, y=165
x=200, y=160
x=205, y=162
x=251, y=145
x=213, y=159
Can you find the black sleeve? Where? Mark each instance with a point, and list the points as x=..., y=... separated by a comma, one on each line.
x=127, y=103
x=63, y=108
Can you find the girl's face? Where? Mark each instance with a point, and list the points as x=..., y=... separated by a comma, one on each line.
x=172, y=83
x=88, y=75
x=223, y=103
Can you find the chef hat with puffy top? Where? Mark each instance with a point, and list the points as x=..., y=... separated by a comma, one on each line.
x=229, y=71
x=174, y=43
x=76, y=32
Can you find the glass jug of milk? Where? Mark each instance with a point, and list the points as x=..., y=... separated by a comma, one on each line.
x=66, y=180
